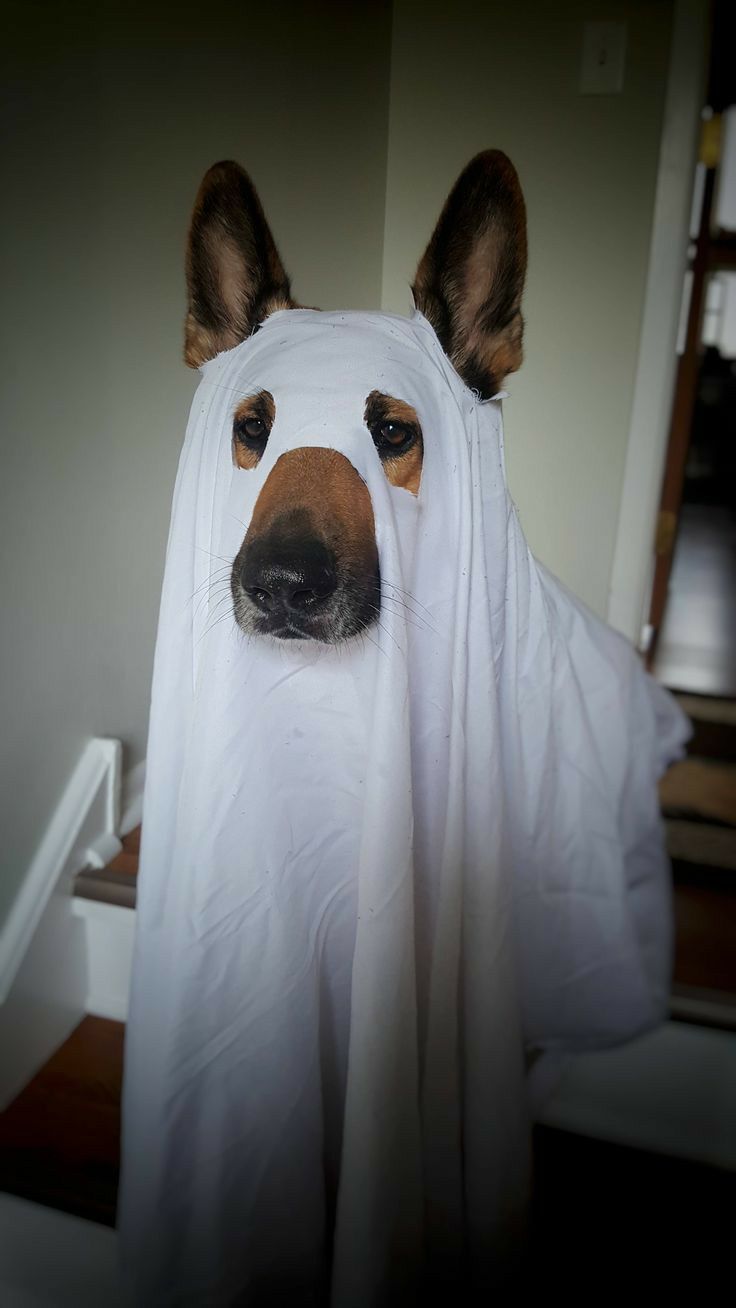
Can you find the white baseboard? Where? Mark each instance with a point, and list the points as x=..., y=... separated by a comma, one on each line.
x=110, y=936
x=43, y=947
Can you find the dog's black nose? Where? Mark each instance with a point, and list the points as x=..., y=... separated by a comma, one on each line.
x=289, y=575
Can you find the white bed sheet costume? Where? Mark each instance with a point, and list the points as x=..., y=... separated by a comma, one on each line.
x=375, y=877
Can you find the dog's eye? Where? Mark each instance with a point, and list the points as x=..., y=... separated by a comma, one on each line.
x=393, y=437
x=252, y=431
x=254, y=428
x=252, y=423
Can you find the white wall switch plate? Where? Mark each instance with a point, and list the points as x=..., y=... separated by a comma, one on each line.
x=602, y=63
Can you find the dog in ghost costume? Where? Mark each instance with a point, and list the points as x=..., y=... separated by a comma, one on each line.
x=401, y=834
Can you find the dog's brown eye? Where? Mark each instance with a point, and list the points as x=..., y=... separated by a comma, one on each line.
x=393, y=437
x=394, y=433
x=251, y=430
x=252, y=423
x=397, y=436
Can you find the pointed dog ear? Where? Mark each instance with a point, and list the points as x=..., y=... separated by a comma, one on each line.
x=470, y=280
x=235, y=277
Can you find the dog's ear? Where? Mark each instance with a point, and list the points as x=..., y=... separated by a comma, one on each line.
x=235, y=277
x=470, y=280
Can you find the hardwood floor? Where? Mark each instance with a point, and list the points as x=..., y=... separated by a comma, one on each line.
x=60, y=1138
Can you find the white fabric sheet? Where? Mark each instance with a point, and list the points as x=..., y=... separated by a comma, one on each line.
x=374, y=878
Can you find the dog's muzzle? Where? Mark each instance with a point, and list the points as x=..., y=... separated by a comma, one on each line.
x=299, y=589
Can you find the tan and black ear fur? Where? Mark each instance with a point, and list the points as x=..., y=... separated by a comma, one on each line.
x=470, y=280
x=235, y=277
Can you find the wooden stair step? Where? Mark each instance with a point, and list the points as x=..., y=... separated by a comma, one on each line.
x=106, y=887
x=60, y=1137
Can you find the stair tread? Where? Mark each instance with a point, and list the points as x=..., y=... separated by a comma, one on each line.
x=117, y=882
x=60, y=1137
x=103, y=886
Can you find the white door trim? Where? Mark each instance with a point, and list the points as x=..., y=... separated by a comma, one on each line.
x=633, y=559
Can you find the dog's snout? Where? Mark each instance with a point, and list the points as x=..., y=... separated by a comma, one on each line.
x=291, y=577
x=308, y=566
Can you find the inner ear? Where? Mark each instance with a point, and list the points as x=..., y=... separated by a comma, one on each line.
x=470, y=279
x=235, y=277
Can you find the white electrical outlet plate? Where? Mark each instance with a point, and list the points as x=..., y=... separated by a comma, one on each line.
x=604, y=53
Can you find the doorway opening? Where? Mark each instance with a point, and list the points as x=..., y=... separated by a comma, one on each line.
x=692, y=617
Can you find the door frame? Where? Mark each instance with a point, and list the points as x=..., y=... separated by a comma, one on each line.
x=632, y=569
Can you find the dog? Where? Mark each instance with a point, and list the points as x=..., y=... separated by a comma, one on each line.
x=308, y=566
x=373, y=878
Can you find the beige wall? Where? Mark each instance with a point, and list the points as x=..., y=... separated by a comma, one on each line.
x=115, y=111
x=468, y=76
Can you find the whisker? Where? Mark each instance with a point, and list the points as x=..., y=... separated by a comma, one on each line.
x=418, y=625
x=215, y=578
x=217, y=608
x=202, y=550
x=365, y=635
x=424, y=622
x=214, y=624
x=212, y=594
x=413, y=598
x=398, y=599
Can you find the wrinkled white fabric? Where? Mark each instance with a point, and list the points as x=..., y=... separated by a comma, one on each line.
x=372, y=877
